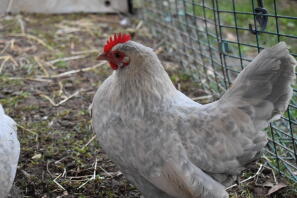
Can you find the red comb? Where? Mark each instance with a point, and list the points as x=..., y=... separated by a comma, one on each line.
x=116, y=39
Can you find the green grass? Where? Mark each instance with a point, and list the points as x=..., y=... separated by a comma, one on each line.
x=286, y=26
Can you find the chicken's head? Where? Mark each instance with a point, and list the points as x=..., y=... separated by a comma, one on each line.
x=136, y=66
x=116, y=58
x=121, y=52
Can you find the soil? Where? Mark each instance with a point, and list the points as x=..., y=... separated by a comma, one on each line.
x=60, y=156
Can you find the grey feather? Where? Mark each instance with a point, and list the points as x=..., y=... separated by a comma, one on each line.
x=264, y=86
x=9, y=152
x=172, y=147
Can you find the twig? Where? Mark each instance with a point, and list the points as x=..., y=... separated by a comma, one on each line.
x=31, y=37
x=5, y=59
x=59, y=161
x=88, y=180
x=268, y=160
x=31, y=79
x=68, y=98
x=29, y=130
x=26, y=174
x=105, y=171
x=64, y=29
x=64, y=172
x=55, y=180
x=272, y=171
x=38, y=61
x=61, y=87
x=6, y=46
x=249, y=178
x=76, y=71
x=79, y=177
x=49, y=99
x=22, y=24
x=47, y=169
x=95, y=169
x=93, y=176
x=207, y=97
x=66, y=59
x=274, y=177
x=62, y=101
x=89, y=142
x=84, y=52
x=139, y=25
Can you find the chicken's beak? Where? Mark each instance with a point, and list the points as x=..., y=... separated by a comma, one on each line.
x=102, y=56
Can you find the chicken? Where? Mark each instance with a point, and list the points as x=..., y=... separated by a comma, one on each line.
x=9, y=152
x=172, y=147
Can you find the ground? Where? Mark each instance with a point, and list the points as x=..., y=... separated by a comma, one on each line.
x=48, y=77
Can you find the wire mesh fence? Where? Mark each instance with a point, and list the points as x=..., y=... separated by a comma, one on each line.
x=214, y=40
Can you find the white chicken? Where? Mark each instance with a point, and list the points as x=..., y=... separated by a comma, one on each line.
x=9, y=152
x=172, y=147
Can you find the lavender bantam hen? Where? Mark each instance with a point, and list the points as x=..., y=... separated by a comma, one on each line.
x=172, y=147
x=9, y=152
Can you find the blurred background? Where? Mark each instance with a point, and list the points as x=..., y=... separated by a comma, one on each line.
x=49, y=75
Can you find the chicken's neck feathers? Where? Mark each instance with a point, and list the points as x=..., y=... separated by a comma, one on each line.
x=140, y=88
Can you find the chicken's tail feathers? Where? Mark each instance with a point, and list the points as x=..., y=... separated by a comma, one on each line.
x=263, y=89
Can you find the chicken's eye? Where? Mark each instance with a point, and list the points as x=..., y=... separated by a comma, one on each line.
x=117, y=55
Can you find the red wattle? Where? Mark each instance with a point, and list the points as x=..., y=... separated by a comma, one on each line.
x=113, y=66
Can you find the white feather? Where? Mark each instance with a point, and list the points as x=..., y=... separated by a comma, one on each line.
x=9, y=152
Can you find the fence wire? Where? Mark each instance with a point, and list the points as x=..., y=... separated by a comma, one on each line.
x=214, y=40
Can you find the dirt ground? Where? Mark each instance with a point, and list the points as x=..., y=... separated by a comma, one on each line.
x=48, y=77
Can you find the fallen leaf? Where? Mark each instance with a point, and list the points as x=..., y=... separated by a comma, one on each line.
x=276, y=188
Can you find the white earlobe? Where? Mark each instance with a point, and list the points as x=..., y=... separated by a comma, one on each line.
x=126, y=60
